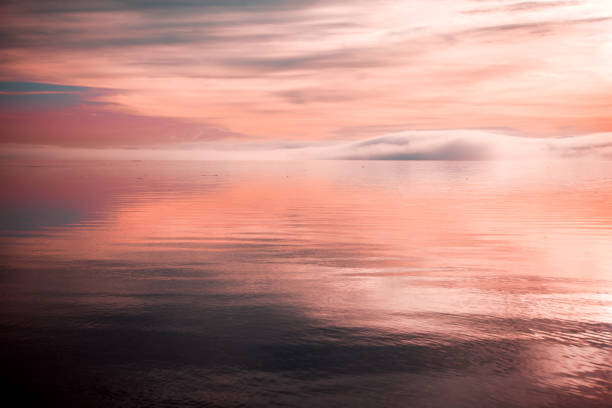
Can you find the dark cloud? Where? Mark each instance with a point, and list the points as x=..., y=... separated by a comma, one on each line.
x=76, y=25
x=38, y=101
x=135, y=34
x=153, y=6
x=33, y=87
x=35, y=95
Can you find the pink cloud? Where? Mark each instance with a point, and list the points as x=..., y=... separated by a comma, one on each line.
x=312, y=70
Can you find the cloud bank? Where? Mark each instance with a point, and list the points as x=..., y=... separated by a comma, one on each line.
x=407, y=145
x=472, y=145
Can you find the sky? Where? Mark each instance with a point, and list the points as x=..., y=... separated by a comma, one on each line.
x=450, y=79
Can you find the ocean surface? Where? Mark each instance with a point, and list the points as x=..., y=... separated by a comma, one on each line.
x=306, y=284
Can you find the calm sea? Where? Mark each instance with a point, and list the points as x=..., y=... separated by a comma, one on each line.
x=323, y=283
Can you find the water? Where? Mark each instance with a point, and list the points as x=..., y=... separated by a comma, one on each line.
x=375, y=284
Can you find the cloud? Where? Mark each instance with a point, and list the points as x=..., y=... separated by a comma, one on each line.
x=312, y=70
x=345, y=59
x=524, y=6
x=471, y=145
x=35, y=113
x=157, y=6
x=450, y=145
x=537, y=28
x=35, y=87
x=34, y=96
x=304, y=96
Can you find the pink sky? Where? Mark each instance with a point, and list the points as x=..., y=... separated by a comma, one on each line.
x=168, y=75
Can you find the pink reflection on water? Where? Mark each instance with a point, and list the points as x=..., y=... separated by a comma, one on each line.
x=454, y=254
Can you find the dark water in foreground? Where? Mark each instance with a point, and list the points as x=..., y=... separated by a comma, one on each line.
x=379, y=284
